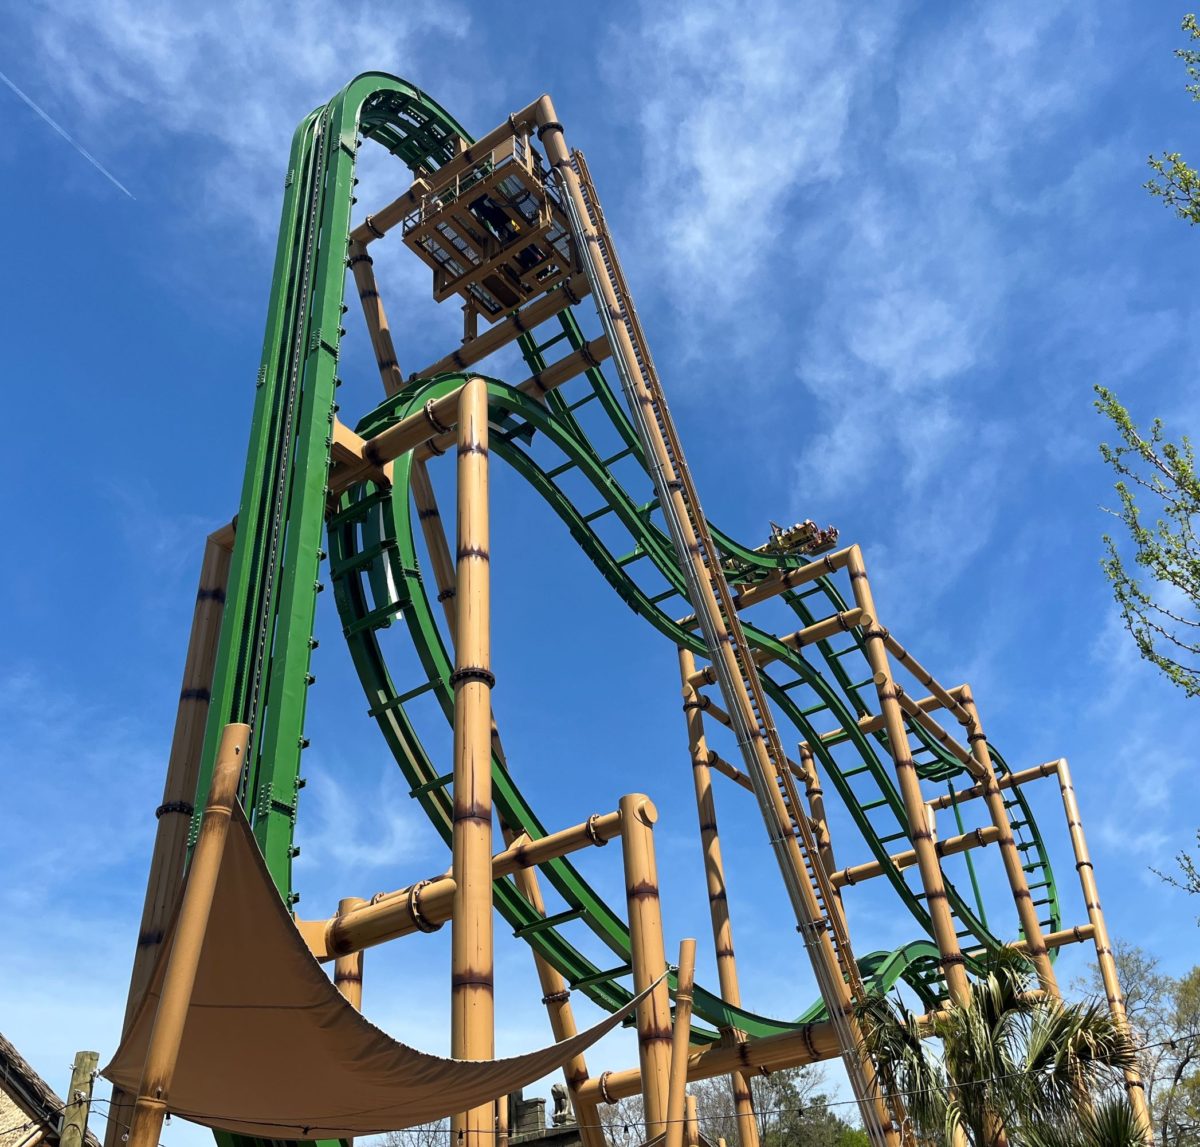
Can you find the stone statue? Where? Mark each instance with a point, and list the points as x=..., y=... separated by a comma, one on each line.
x=563, y=1113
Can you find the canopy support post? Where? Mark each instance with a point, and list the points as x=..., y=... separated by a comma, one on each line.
x=180, y=977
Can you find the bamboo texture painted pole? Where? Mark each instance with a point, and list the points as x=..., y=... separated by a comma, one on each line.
x=680, y=1036
x=348, y=968
x=179, y=790
x=427, y=904
x=813, y=1043
x=442, y=563
x=1008, y=781
x=693, y=1122
x=714, y=873
x=1104, y=953
x=162, y=1053
x=360, y=264
x=951, y=846
x=942, y=919
x=873, y=723
x=1011, y=855
x=557, y=998
x=648, y=956
x=472, y=1018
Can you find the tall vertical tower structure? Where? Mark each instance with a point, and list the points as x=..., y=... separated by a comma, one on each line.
x=512, y=229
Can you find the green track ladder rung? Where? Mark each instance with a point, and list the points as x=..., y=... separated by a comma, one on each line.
x=893, y=836
x=631, y=557
x=617, y=457
x=547, y=922
x=855, y=771
x=589, y=397
x=666, y=593
x=357, y=510
x=861, y=684
x=605, y=509
x=855, y=648
x=540, y=348
x=399, y=702
x=362, y=559
x=429, y=786
x=872, y=805
x=648, y=507
x=567, y=465
x=813, y=709
x=379, y=618
x=601, y=977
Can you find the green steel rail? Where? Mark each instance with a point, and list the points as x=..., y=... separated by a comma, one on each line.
x=263, y=660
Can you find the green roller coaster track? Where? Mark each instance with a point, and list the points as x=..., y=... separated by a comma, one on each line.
x=263, y=661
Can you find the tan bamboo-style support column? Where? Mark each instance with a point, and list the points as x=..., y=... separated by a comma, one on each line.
x=930, y=868
x=714, y=874
x=502, y=1129
x=692, y=1125
x=557, y=998
x=360, y=263
x=815, y=795
x=440, y=560
x=1013, y=864
x=1104, y=953
x=472, y=1020
x=179, y=790
x=638, y=816
x=348, y=969
x=685, y=982
x=430, y=518
x=917, y=812
x=162, y=1052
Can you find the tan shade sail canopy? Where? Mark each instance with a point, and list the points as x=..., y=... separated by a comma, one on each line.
x=271, y=1049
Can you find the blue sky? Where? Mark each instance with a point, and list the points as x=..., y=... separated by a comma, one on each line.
x=882, y=256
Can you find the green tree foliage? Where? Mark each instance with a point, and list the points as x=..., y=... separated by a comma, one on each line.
x=1005, y=1063
x=1159, y=593
x=1164, y=1012
x=1175, y=182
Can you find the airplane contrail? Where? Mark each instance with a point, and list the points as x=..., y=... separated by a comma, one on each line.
x=62, y=131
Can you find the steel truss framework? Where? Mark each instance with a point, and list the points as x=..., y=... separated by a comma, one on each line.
x=512, y=224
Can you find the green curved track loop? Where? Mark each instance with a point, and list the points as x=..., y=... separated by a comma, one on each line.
x=263, y=659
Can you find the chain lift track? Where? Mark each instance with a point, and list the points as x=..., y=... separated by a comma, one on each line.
x=311, y=483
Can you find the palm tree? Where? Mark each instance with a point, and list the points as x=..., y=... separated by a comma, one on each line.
x=1110, y=1123
x=1005, y=1060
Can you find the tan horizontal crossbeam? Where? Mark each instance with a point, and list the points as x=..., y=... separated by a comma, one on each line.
x=1005, y=782
x=874, y=723
x=948, y=847
x=428, y=904
x=477, y=349
x=430, y=429
x=1075, y=935
x=812, y=1043
x=818, y=631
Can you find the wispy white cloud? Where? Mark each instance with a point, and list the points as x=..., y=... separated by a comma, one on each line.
x=735, y=115
x=230, y=81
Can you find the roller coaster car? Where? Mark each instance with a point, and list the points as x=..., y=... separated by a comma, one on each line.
x=496, y=233
x=803, y=538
